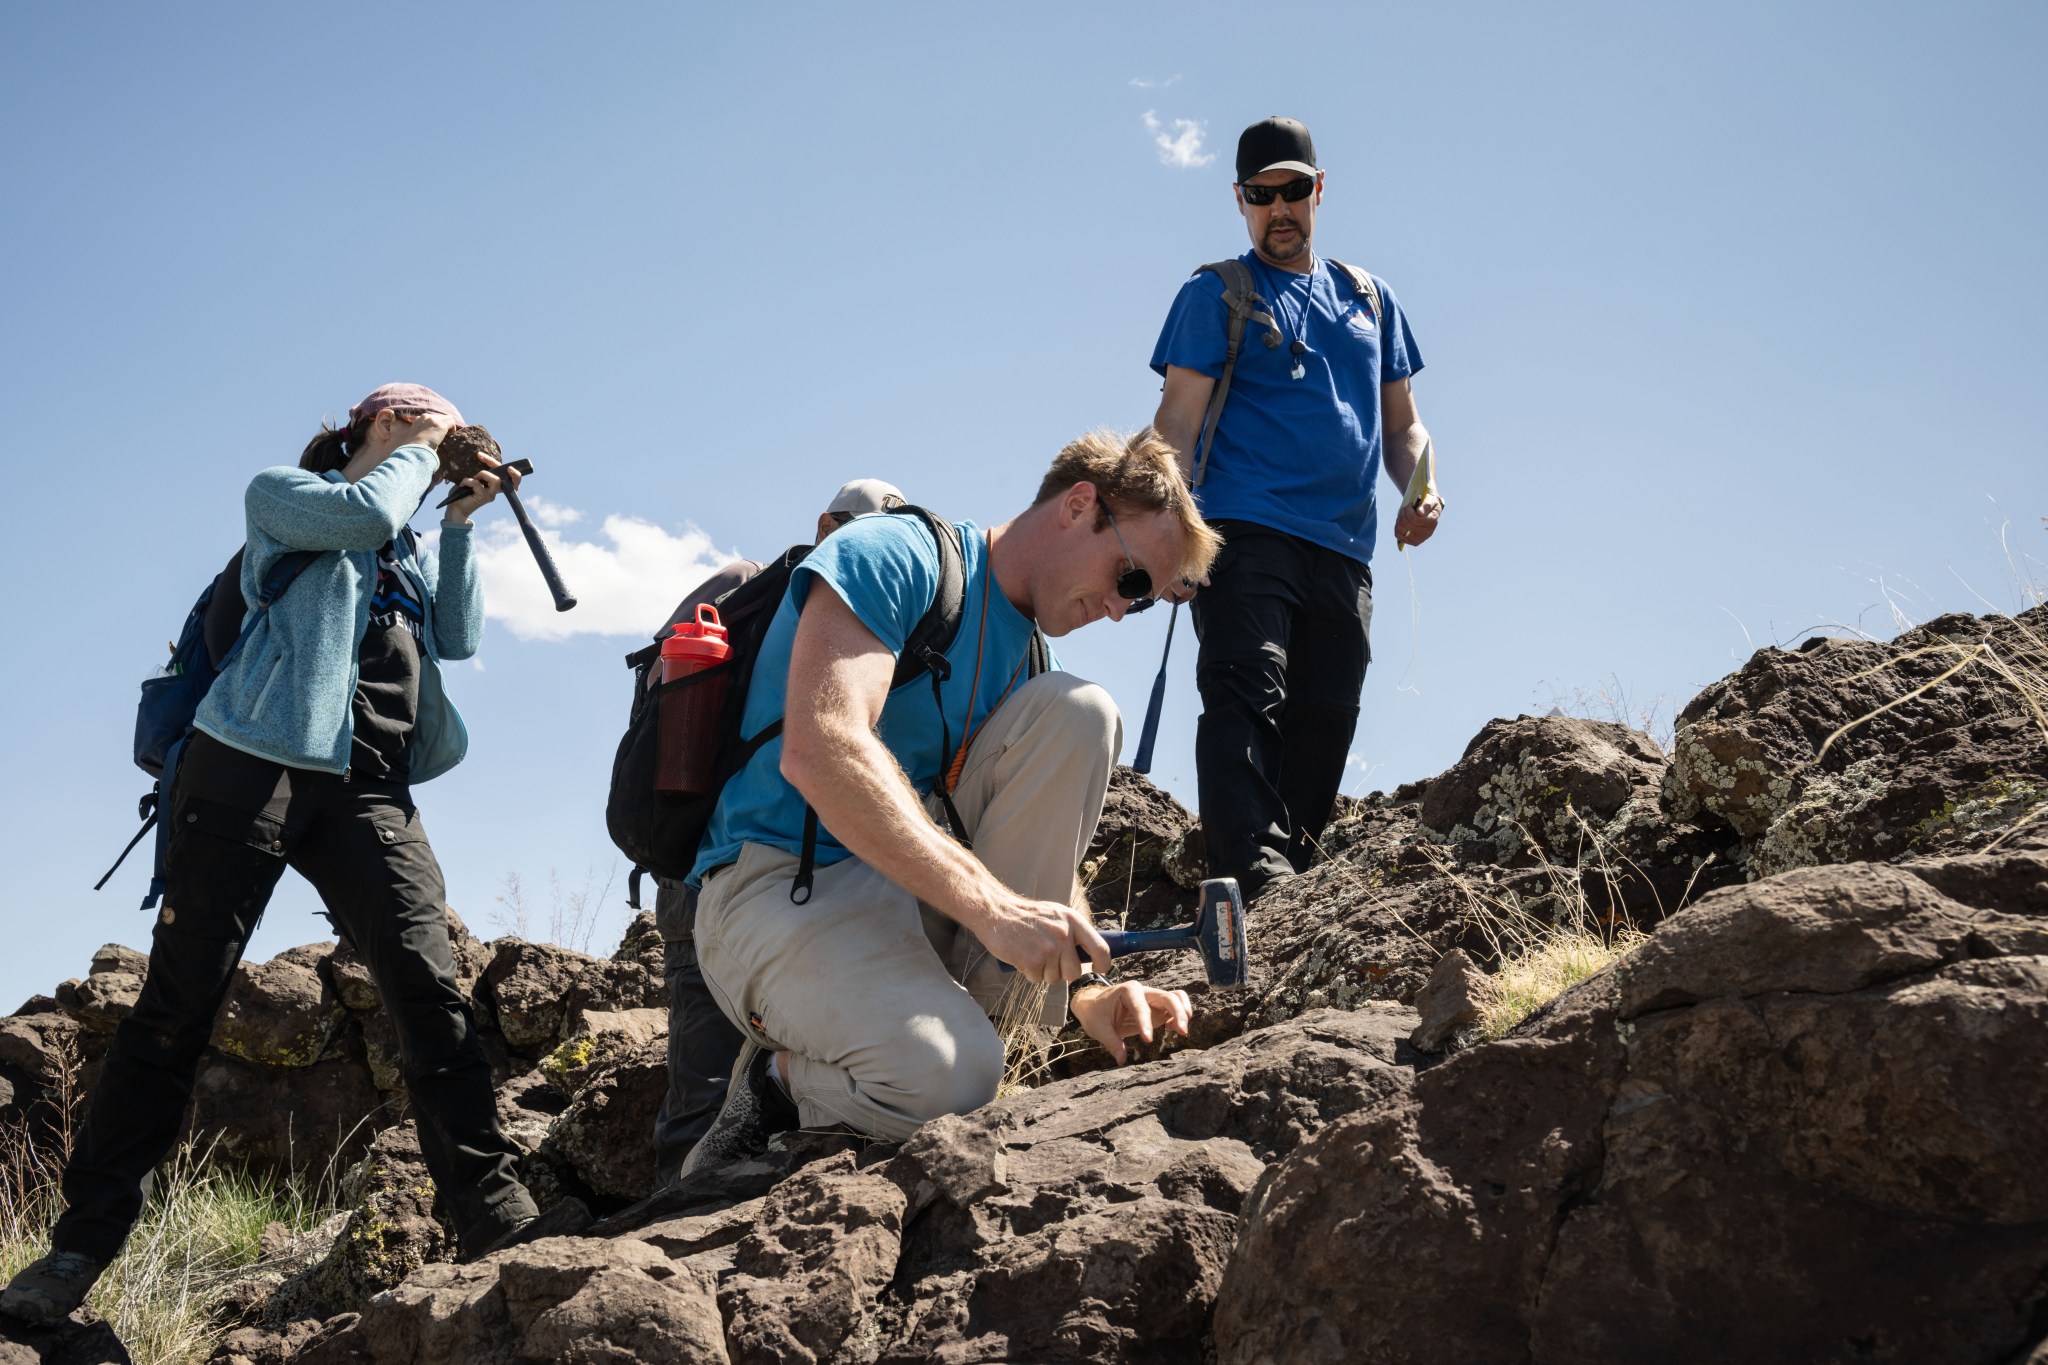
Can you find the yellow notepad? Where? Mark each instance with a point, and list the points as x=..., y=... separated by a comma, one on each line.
x=1421, y=483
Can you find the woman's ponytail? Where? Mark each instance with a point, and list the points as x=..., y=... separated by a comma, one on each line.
x=331, y=448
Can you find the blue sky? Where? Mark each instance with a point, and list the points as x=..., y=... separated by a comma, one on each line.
x=1730, y=314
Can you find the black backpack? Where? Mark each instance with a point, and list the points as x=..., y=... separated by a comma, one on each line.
x=1246, y=304
x=215, y=629
x=661, y=831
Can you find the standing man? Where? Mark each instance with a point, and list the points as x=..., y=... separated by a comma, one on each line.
x=702, y=1043
x=1317, y=402
x=856, y=943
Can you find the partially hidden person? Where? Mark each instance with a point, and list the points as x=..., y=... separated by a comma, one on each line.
x=702, y=1042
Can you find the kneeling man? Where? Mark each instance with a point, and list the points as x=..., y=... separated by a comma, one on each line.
x=865, y=990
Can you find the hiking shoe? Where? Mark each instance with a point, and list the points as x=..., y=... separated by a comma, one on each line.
x=569, y=1217
x=756, y=1109
x=50, y=1290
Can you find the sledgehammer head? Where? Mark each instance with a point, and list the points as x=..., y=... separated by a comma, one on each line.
x=1220, y=933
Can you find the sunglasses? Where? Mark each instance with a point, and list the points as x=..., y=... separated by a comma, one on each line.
x=1133, y=584
x=1294, y=191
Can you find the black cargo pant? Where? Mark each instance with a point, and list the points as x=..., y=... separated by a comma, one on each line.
x=702, y=1043
x=237, y=821
x=1283, y=627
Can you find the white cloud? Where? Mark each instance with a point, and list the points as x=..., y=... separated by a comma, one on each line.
x=1147, y=83
x=626, y=583
x=1179, y=142
x=553, y=514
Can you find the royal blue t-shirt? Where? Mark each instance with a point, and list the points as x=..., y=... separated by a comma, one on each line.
x=1299, y=455
x=887, y=569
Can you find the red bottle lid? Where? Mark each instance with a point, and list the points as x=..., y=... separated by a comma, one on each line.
x=700, y=642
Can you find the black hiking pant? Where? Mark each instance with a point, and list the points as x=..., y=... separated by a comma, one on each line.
x=702, y=1043
x=237, y=821
x=1283, y=627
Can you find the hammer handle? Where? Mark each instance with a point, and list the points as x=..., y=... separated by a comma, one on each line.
x=1123, y=942
x=564, y=599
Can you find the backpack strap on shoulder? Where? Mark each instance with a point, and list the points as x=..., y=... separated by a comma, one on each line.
x=925, y=649
x=1038, y=655
x=1241, y=297
x=1363, y=286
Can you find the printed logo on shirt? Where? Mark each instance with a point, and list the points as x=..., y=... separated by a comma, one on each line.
x=1362, y=316
x=393, y=603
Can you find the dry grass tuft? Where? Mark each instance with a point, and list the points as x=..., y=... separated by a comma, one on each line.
x=1546, y=944
x=202, y=1226
x=1548, y=967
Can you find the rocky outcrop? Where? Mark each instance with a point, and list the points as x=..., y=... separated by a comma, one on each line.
x=1934, y=746
x=1138, y=870
x=1785, y=1129
x=1799, y=1121
x=538, y=992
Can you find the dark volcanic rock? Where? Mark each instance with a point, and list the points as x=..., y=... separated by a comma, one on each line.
x=108, y=993
x=565, y=1299
x=605, y=1135
x=1136, y=869
x=1742, y=1143
x=1550, y=782
x=282, y=1012
x=287, y=1117
x=390, y=1233
x=1450, y=1002
x=538, y=992
x=83, y=1340
x=1088, y=1220
x=807, y=1277
x=1938, y=764
x=1337, y=936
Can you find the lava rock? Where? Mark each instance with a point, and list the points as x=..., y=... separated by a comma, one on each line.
x=1744, y=1142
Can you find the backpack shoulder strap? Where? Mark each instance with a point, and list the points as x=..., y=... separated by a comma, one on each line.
x=925, y=649
x=1363, y=286
x=228, y=590
x=1241, y=297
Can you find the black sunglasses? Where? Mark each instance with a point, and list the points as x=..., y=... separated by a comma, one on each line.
x=1133, y=584
x=1294, y=191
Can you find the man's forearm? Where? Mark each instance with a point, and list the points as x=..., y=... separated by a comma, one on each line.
x=860, y=793
x=1404, y=450
x=1181, y=434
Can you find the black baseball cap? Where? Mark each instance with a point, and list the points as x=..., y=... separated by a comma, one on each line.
x=1275, y=144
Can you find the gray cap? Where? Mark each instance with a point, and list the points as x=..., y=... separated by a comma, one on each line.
x=866, y=495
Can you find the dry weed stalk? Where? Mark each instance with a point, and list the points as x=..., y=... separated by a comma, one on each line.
x=2021, y=666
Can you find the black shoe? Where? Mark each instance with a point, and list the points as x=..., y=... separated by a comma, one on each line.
x=756, y=1109
x=564, y=1218
x=51, y=1290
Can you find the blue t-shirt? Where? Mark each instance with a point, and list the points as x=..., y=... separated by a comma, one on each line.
x=887, y=569
x=1299, y=455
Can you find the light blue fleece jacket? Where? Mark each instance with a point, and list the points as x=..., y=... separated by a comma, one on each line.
x=287, y=695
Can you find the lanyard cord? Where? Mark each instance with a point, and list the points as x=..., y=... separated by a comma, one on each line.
x=959, y=763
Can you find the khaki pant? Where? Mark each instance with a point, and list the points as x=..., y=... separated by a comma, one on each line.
x=882, y=1003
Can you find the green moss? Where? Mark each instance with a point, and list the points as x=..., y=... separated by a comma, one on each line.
x=571, y=1056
